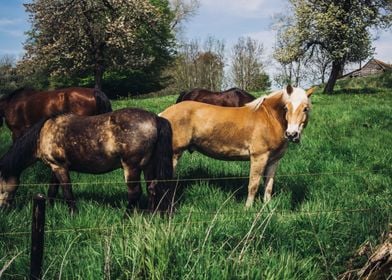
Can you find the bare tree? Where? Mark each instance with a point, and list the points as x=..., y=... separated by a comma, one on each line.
x=247, y=68
x=197, y=66
x=183, y=10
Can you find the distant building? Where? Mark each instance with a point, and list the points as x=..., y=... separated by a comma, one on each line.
x=373, y=66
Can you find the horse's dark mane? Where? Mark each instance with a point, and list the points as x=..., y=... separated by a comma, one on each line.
x=22, y=152
x=8, y=96
x=179, y=99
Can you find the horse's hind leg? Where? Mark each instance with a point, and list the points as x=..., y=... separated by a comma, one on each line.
x=176, y=157
x=269, y=174
x=62, y=176
x=132, y=179
x=53, y=189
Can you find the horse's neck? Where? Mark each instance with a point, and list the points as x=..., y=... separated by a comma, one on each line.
x=275, y=108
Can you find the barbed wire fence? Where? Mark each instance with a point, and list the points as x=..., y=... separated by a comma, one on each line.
x=234, y=214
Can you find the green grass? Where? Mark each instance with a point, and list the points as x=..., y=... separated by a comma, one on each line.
x=310, y=230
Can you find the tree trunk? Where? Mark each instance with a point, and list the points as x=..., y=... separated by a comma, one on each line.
x=337, y=68
x=98, y=74
x=99, y=66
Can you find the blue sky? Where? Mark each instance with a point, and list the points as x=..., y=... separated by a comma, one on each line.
x=230, y=19
x=226, y=20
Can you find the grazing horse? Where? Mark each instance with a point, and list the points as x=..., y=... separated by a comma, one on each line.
x=134, y=139
x=24, y=107
x=233, y=97
x=258, y=131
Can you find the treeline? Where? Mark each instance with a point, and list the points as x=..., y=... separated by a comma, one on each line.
x=132, y=47
x=125, y=48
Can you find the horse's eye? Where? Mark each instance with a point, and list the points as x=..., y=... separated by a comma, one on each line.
x=285, y=108
x=306, y=109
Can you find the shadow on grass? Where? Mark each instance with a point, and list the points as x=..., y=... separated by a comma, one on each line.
x=229, y=185
x=299, y=194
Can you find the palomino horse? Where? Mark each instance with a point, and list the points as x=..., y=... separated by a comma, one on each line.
x=258, y=131
x=24, y=107
x=233, y=97
x=133, y=139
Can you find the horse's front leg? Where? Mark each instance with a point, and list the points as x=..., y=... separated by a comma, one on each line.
x=257, y=165
x=269, y=175
x=63, y=178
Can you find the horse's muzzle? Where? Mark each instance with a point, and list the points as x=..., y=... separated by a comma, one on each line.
x=292, y=136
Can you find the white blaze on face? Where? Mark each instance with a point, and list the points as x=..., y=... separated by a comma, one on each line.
x=295, y=120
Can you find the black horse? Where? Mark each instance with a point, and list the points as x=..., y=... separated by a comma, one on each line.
x=134, y=139
x=233, y=97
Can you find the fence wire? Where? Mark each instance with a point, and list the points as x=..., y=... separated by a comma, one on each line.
x=282, y=213
x=240, y=213
x=180, y=180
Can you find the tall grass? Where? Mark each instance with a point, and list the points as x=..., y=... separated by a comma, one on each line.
x=332, y=193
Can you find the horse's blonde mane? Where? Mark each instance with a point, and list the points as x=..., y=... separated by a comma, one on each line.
x=255, y=104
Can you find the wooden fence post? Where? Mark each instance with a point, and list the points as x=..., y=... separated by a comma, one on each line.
x=37, y=236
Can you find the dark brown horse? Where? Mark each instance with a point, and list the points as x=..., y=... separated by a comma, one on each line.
x=136, y=140
x=24, y=107
x=233, y=97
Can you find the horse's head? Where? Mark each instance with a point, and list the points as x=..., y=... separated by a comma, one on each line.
x=297, y=107
x=7, y=190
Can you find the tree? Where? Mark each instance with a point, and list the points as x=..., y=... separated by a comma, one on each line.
x=247, y=69
x=9, y=78
x=71, y=37
x=197, y=66
x=340, y=28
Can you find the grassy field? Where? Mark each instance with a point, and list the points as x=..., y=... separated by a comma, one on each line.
x=333, y=192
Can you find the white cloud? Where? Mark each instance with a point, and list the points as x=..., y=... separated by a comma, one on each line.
x=383, y=46
x=8, y=22
x=245, y=8
x=12, y=32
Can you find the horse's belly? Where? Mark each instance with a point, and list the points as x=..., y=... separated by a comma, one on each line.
x=222, y=152
x=95, y=166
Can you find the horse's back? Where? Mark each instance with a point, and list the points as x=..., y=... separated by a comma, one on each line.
x=96, y=144
x=233, y=97
x=26, y=109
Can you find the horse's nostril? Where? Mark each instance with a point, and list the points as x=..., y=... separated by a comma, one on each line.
x=291, y=135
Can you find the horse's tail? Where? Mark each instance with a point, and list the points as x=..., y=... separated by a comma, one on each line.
x=102, y=102
x=181, y=96
x=162, y=160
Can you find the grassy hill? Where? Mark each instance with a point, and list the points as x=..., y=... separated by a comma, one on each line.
x=332, y=193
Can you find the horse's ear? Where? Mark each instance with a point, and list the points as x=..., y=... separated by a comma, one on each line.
x=289, y=89
x=310, y=91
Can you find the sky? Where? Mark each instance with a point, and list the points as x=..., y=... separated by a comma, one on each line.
x=226, y=20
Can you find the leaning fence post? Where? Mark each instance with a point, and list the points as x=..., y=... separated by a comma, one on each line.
x=37, y=236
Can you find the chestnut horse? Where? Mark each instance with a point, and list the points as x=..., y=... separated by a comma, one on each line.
x=258, y=131
x=136, y=140
x=24, y=107
x=233, y=97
